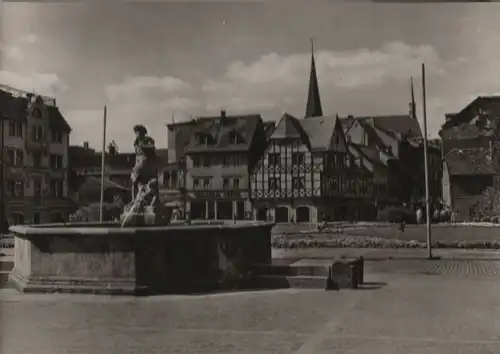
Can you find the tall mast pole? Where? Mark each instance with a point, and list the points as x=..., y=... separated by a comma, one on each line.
x=426, y=167
x=103, y=154
x=2, y=175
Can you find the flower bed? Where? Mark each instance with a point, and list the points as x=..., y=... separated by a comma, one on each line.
x=379, y=242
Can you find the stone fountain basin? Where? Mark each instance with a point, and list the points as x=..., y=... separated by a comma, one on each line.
x=107, y=259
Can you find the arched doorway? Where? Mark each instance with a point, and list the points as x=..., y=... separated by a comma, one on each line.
x=16, y=219
x=303, y=214
x=281, y=214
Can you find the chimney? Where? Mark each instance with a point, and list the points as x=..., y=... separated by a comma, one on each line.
x=86, y=145
x=223, y=114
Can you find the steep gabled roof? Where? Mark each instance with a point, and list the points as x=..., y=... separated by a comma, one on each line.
x=13, y=107
x=397, y=125
x=319, y=131
x=288, y=128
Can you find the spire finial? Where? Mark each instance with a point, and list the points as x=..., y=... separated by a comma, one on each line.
x=313, y=106
x=413, y=109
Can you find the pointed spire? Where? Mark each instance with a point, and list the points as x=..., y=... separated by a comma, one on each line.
x=413, y=109
x=313, y=108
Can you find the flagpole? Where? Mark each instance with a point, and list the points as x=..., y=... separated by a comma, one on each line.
x=103, y=154
x=426, y=168
x=2, y=174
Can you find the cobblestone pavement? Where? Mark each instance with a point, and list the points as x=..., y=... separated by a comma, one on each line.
x=459, y=268
x=403, y=314
x=384, y=253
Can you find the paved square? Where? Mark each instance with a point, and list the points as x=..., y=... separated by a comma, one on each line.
x=409, y=314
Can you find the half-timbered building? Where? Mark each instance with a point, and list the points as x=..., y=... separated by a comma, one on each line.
x=396, y=141
x=307, y=174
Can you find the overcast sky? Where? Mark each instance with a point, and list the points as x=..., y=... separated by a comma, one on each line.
x=151, y=61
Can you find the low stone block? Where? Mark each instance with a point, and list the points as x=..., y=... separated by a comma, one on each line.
x=341, y=276
x=358, y=265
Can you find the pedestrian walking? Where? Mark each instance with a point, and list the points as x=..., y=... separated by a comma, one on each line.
x=419, y=215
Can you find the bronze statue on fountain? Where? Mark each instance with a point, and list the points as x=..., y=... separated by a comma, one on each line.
x=145, y=207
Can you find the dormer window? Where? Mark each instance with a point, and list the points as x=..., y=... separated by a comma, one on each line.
x=236, y=138
x=205, y=139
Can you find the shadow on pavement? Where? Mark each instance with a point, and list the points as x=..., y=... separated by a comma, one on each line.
x=371, y=285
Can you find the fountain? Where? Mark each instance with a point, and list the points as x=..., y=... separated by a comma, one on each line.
x=145, y=254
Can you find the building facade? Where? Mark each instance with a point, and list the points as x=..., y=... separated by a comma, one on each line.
x=35, y=140
x=86, y=170
x=307, y=174
x=470, y=141
x=214, y=156
x=395, y=146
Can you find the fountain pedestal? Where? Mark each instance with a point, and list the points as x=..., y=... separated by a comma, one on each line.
x=108, y=259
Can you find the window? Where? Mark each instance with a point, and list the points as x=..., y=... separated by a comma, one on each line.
x=225, y=183
x=231, y=160
x=36, y=133
x=56, y=161
x=56, y=137
x=334, y=186
x=166, y=178
x=16, y=128
x=236, y=138
x=19, y=158
x=298, y=183
x=16, y=219
x=15, y=157
x=297, y=158
x=205, y=139
x=207, y=183
x=56, y=188
x=11, y=156
x=196, y=161
x=196, y=183
x=337, y=139
x=37, y=159
x=236, y=183
x=15, y=188
x=37, y=187
x=206, y=161
x=274, y=183
x=274, y=159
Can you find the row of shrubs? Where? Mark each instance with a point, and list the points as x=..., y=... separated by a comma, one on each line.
x=493, y=219
x=381, y=243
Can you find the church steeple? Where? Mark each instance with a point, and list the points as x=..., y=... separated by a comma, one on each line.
x=313, y=108
x=413, y=109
